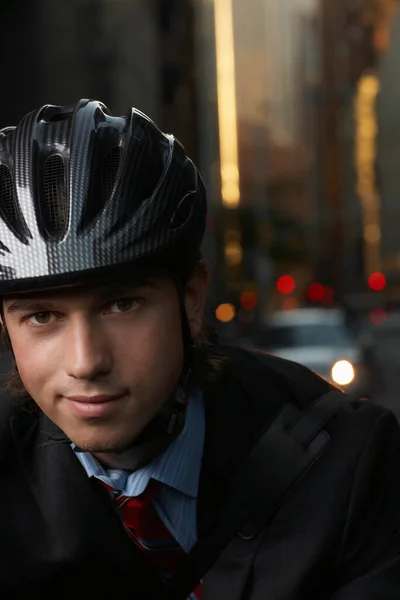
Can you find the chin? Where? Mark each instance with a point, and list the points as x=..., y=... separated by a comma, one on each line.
x=113, y=446
x=103, y=436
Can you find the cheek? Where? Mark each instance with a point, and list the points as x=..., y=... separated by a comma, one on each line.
x=36, y=363
x=152, y=351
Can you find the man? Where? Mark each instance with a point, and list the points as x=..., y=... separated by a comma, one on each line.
x=130, y=436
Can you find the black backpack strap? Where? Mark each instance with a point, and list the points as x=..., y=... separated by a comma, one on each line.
x=295, y=440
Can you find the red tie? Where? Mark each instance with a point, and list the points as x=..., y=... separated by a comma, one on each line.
x=150, y=534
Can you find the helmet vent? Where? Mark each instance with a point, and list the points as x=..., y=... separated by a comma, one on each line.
x=54, y=207
x=103, y=182
x=57, y=117
x=110, y=170
x=8, y=207
x=53, y=114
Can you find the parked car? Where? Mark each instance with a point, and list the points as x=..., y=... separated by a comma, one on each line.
x=321, y=340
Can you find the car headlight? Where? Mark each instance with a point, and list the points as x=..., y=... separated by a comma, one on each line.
x=343, y=372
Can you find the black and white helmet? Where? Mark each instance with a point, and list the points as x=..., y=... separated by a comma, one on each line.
x=82, y=191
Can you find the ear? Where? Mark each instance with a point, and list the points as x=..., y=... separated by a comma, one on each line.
x=195, y=300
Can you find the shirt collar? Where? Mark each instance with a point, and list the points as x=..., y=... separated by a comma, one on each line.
x=178, y=467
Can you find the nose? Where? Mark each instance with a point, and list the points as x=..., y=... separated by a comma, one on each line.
x=88, y=352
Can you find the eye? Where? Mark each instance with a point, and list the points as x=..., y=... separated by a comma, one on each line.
x=41, y=318
x=123, y=305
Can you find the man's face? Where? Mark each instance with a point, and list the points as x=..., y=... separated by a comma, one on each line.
x=100, y=362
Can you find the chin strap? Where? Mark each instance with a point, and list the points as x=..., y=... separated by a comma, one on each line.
x=169, y=422
x=178, y=407
x=183, y=387
x=3, y=325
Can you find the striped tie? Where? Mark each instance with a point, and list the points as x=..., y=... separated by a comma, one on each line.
x=149, y=533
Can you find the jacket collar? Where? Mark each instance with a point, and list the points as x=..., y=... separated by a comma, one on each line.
x=78, y=513
x=237, y=411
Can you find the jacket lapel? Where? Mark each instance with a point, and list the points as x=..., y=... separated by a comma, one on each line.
x=228, y=417
x=226, y=438
x=80, y=517
x=237, y=410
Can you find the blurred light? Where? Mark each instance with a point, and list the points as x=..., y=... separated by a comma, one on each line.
x=369, y=85
x=377, y=282
x=329, y=295
x=366, y=132
x=316, y=292
x=233, y=234
x=377, y=316
x=233, y=253
x=289, y=304
x=372, y=234
x=225, y=313
x=286, y=284
x=226, y=91
x=343, y=372
x=248, y=300
x=381, y=38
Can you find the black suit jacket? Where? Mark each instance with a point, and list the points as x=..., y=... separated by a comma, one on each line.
x=336, y=536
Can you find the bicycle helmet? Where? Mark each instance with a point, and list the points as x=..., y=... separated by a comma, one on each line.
x=83, y=192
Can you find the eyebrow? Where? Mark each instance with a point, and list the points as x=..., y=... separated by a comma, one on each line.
x=110, y=289
x=31, y=305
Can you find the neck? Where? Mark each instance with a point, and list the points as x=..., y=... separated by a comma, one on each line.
x=135, y=457
x=153, y=440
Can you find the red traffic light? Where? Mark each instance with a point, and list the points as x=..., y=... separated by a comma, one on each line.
x=248, y=300
x=286, y=284
x=316, y=292
x=377, y=282
x=329, y=295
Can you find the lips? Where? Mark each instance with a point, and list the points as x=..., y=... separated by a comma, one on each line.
x=93, y=406
x=99, y=399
